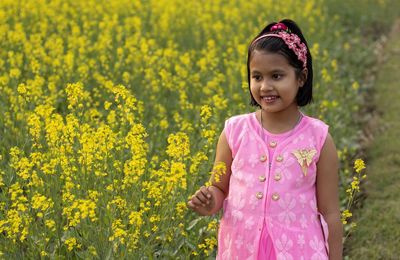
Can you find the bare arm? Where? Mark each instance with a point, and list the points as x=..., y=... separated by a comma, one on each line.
x=208, y=201
x=328, y=196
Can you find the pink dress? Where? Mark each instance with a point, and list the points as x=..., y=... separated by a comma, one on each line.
x=271, y=210
x=266, y=250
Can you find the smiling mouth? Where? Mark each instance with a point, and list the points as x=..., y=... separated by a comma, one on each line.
x=270, y=99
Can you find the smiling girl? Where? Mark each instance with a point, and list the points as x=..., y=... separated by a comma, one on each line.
x=280, y=191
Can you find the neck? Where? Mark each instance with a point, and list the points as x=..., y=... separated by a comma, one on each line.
x=280, y=122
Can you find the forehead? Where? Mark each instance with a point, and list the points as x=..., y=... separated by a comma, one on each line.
x=266, y=61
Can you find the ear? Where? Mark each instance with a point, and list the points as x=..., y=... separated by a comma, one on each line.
x=303, y=77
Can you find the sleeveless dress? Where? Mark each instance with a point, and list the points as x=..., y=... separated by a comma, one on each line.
x=271, y=210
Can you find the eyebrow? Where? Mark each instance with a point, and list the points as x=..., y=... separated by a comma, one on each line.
x=272, y=71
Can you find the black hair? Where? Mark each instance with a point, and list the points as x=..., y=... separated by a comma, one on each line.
x=277, y=45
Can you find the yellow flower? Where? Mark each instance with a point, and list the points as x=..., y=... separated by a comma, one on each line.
x=164, y=124
x=178, y=145
x=334, y=65
x=92, y=250
x=208, y=245
x=15, y=73
x=71, y=243
x=180, y=209
x=50, y=224
x=355, y=85
x=118, y=231
x=177, y=175
x=197, y=159
x=213, y=225
x=219, y=102
x=107, y=105
x=219, y=169
x=345, y=215
x=21, y=88
x=359, y=165
x=40, y=202
x=209, y=135
x=135, y=218
x=76, y=94
x=315, y=50
x=326, y=76
x=205, y=113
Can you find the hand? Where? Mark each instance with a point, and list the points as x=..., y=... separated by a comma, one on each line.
x=202, y=201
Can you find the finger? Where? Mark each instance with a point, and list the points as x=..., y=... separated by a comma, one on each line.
x=206, y=191
x=191, y=205
x=201, y=197
x=196, y=202
x=206, y=194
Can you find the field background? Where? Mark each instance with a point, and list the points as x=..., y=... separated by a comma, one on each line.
x=110, y=112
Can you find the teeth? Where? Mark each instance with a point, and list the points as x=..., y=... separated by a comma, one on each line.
x=269, y=98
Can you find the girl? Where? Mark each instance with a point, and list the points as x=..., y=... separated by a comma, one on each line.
x=280, y=190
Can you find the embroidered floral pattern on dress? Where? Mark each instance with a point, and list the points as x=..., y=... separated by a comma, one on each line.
x=254, y=160
x=287, y=205
x=254, y=202
x=227, y=254
x=303, y=200
x=249, y=224
x=284, y=244
x=237, y=172
x=237, y=164
x=301, y=241
x=244, y=135
x=303, y=221
x=239, y=242
x=299, y=138
x=284, y=167
x=250, y=249
x=319, y=247
x=249, y=181
x=238, y=202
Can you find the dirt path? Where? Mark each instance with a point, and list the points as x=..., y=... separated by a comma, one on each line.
x=378, y=233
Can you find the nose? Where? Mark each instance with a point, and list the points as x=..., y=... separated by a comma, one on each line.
x=265, y=86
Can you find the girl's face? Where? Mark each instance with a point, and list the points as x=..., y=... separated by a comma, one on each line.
x=273, y=81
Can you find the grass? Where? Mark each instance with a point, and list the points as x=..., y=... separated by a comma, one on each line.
x=378, y=233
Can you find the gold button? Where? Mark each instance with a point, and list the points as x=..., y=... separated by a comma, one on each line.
x=275, y=196
x=263, y=158
x=259, y=195
x=272, y=144
x=279, y=158
x=262, y=178
x=277, y=176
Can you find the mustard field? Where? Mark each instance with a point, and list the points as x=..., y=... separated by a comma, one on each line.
x=110, y=110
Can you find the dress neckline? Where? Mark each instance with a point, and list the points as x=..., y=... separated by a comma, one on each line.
x=257, y=125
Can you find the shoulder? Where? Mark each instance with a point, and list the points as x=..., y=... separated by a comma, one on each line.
x=318, y=129
x=240, y=117
x=316, y=123
x=236, y=129
x=237, y=120
x=328, y=153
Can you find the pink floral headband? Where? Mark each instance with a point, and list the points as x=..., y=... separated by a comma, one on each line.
x=291, y=40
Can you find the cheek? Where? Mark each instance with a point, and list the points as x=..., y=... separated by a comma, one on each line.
x=289, y=90
x=254, y=94
x=251, y=87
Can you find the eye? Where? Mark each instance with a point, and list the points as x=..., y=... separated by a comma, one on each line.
x=277, y=76
x=257, y=77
